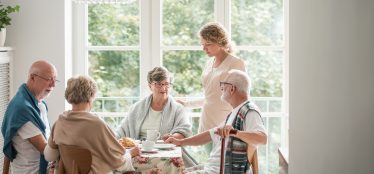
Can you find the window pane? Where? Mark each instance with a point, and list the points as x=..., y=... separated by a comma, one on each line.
x=183, y=19
x=117, y=76
x=187, y=68
x=199, y=153
x=257, y=22
x=113, y=24
x=268, y=154
x=113, y=121
x=268, y=104
x=115, y=72
x=265, y=70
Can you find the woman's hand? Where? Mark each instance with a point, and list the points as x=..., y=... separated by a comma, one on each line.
x=181, y=102
x=135, y=151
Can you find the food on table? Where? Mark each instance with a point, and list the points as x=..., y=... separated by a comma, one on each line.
x=127, y=142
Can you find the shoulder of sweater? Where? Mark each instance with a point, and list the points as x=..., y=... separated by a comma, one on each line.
x=236, y=59
x=21, y=107
x=87, y=116
x=174, y=103
x=139, y=104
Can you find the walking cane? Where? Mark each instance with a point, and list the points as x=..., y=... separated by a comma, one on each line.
x=222, y=166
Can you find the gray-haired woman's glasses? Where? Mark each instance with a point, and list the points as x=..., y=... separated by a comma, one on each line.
x=160, y=85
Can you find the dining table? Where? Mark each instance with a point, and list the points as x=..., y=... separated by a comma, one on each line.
x=164, y=159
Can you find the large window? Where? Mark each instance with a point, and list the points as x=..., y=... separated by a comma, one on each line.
x=117, y=44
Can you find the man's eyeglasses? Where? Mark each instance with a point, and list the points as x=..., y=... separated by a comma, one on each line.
x=222, y=84
x=160, y=85
x=48, y=79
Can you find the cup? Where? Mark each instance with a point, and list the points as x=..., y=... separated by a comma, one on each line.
x=153, y=135
x=148, y=145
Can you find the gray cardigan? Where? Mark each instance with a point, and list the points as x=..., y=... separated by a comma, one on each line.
x=173, y=119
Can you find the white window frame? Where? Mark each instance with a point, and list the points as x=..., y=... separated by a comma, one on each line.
x=151, y=47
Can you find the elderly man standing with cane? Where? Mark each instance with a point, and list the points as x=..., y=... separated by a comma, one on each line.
x=244, y=123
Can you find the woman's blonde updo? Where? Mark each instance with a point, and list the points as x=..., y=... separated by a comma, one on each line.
x=80, y=89
x=214, y=32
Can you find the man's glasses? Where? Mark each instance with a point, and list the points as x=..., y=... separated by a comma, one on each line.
x=160, y=85
x=222, y=84
x=48, y=79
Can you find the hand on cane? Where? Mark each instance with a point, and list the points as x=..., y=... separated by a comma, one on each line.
x=226, y=131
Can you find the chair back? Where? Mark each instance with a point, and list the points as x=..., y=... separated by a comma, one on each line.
x=254, y=162
x=6, y=165
x=250, y=150
x=74, y=160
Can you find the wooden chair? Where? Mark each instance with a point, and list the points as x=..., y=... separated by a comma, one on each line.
x=283, y=161
x=74, y=160
x=254, y=162
x=6, y=165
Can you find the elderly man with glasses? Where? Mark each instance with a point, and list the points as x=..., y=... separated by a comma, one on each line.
x=25, y=127
x=244, y=120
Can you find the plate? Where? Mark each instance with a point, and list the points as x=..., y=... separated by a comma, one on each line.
x=150, y=151
x=164, y=146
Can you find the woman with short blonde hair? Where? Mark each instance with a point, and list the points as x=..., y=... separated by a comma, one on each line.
x=79, y=127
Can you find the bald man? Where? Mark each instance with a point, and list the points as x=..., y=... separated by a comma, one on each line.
x=25, y=127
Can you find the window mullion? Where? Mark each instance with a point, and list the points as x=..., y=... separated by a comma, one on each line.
x=156, y=33
x=227, y=16
x=222, y=13
x=80, y=51
x=145, y=44
x=219, y=11
x=286, y=75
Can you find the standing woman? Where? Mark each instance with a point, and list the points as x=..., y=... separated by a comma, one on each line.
x=216, y=44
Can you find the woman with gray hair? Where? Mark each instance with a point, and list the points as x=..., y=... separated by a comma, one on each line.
x=79, y=127
x=216, y=44
x=158, y=111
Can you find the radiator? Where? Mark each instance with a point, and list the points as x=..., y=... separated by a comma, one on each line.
x=5, y=87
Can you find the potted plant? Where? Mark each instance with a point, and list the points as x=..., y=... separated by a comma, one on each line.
x=5, y=20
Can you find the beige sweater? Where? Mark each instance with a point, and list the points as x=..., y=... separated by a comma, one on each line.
x=86, y=130
x=214, y=110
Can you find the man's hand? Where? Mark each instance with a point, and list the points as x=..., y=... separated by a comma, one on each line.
x=38, y=142
x=135, y=151
x=172, y=140
x=226, y=131
x=166, y=136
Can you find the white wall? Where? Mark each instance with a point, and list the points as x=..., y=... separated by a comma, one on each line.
x=331, y=87
x=38, y=31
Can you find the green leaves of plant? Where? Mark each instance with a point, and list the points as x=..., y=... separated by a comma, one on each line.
x=4, y=14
